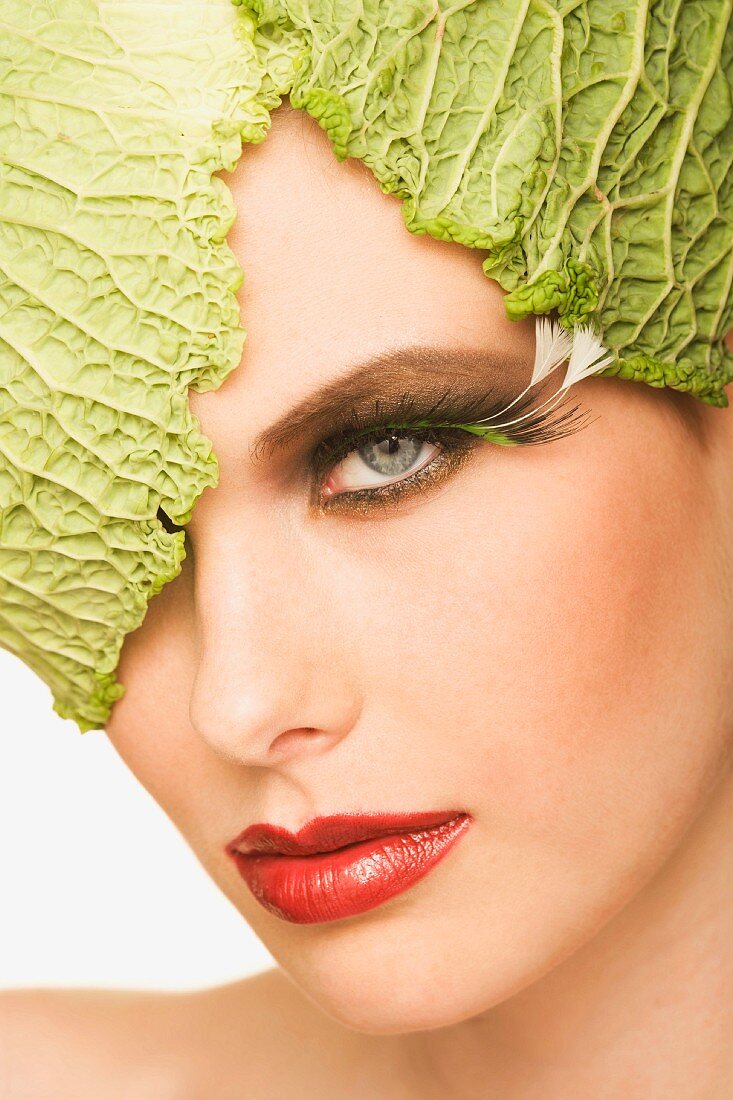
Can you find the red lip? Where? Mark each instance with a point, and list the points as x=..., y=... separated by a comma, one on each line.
x=339, y=866
x=325, y=834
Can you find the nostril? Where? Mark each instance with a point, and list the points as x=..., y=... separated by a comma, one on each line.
x=305, y=740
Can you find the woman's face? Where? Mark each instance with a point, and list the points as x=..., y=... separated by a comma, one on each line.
x=540, y=636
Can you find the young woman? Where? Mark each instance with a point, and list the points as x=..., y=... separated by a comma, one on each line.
x=520, y=657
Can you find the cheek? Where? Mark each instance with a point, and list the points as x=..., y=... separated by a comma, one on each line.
x=564, y=654
x=149, y=726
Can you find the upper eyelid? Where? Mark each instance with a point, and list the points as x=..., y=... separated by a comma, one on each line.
x=536, y=424
x=459, y=401
x=335, y=447
x=450, y=410
x=451, y=407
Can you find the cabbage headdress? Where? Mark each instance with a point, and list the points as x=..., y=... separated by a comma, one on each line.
x=586, y=145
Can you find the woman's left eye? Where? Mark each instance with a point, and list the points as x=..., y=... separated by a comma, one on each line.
x=391, y=463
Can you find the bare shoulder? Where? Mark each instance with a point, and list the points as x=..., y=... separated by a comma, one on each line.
x=258, y=1037
x=65, y=1042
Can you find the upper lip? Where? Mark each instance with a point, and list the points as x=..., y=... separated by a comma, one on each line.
x=325, y=834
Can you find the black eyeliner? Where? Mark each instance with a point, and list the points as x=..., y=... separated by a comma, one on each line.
x=451, y=410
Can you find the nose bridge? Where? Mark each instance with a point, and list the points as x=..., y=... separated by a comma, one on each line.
x=268, y=685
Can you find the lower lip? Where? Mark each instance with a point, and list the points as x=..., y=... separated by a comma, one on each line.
x=331, y=885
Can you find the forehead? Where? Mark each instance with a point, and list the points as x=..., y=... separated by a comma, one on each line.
x=332, y=276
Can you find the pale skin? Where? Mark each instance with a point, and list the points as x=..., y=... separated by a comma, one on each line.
x=544, y=639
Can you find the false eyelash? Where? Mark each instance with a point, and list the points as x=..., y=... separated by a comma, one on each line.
x=542, y=426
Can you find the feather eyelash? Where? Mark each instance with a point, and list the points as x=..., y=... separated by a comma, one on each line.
x=553, y=346
x=586, y=353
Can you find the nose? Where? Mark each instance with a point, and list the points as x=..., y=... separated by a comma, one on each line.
x=271, y=684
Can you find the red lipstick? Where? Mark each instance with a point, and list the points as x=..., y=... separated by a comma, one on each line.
x=339, y=866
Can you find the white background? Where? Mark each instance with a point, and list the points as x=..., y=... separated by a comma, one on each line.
x=97, y=887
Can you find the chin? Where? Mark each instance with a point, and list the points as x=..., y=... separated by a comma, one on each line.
x=394, y=1008
x=384, y=984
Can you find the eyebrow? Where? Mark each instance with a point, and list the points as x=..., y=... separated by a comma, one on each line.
x=390, y=375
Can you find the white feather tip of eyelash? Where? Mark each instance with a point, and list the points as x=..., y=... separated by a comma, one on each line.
x=586, y=356
x=553, y=345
